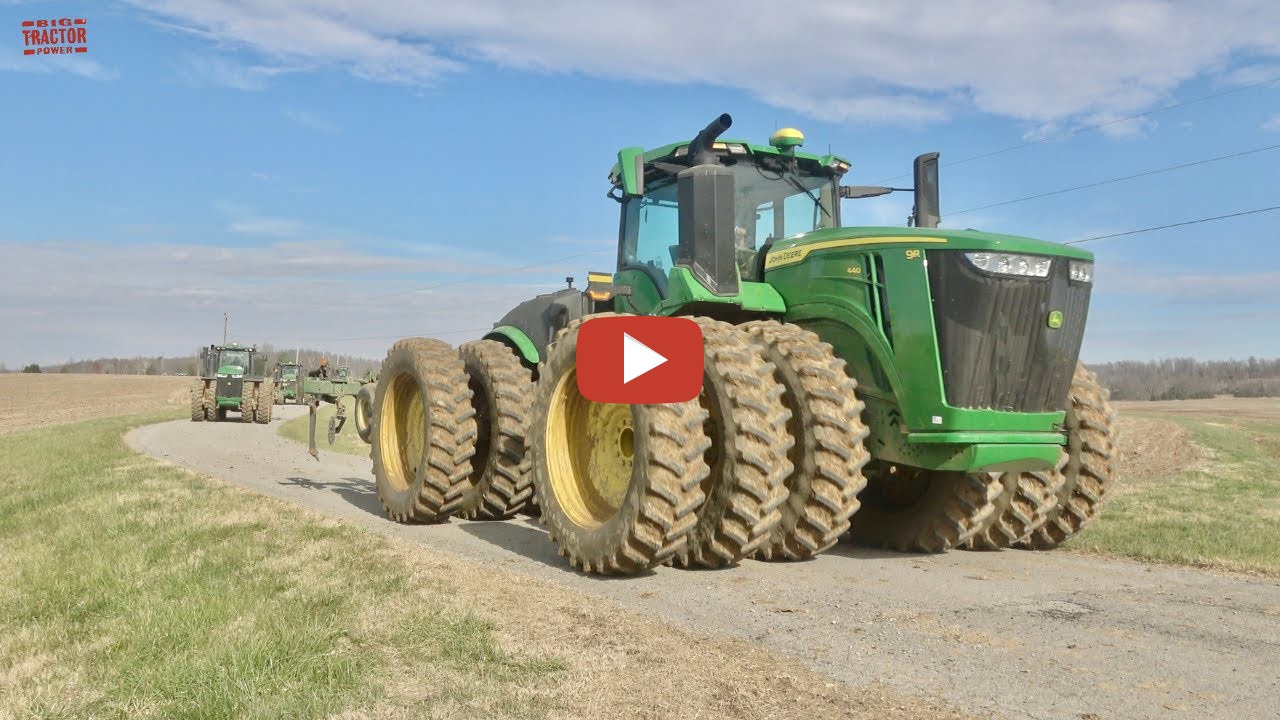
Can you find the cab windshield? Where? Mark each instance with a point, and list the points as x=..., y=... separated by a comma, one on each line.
x=768, y=206
x=289, y=372
x=239, y=358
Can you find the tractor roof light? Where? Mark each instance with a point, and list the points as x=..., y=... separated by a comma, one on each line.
x=1011, y=264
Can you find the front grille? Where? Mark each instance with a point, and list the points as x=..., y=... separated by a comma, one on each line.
x=230, y=387
x=994, y=341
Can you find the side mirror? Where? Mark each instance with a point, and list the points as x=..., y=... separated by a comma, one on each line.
x=857, y=192
x=926, y=212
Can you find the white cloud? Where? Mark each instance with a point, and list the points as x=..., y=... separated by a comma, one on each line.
x=11, y=58
x=88, y=299
x=864, y=62
x=1272, y=123
x=208, y=69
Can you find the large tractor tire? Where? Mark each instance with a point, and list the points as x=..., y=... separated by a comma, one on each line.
x=424, y=431
x=618, y=485
x=364, y=412
x=249, y=399
x=263, y=409
x=1087, y=465
x=197, y=401
x=913, y=510
x=748, y=461
x=211, y=401
x=501, y=393
x=828, y=456
x=1021, y=509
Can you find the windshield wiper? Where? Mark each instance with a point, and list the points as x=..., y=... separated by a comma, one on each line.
x=795, y=182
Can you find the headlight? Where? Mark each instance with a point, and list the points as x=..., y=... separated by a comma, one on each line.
x=1082, y=271
x=1009, y=264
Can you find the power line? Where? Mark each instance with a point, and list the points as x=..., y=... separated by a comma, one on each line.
x=1095, y=126
x=397, y=337
x=1173, y=225
x=1118, y=179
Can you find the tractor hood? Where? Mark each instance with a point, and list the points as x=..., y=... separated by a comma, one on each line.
x=796, y=249
x=231, y=371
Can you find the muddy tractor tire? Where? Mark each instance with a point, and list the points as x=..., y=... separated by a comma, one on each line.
x=197, y=401
x=263, y=408
x=501, y=394
x=249, y=399
x=618, y=485
x=828, y=455
x=1022, y=508
x=364, y=412
x=748, y=461
x=929, y=511
x=211, y=401
x=1087, y=464
x=423, y=431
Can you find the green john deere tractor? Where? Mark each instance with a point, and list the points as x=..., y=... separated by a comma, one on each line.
x=286, y=377
x=231, y=380
x=918, y=388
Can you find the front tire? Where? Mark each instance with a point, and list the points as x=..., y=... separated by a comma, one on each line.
x=618, y=485
x=828, y=455
x=263, y=408
x=1088, y=462
x=914, y=510
x=748, y=456
x=197, y=401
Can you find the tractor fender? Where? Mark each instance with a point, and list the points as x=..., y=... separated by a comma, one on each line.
x=515, y=338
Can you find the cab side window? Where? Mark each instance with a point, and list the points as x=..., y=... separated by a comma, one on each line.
x=652, y=234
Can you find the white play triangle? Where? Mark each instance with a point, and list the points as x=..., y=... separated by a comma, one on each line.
x=637, y=359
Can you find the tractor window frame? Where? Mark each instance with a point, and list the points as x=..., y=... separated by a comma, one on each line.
x=630, y=230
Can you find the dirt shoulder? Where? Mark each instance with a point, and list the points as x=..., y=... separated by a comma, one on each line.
x=39, y=399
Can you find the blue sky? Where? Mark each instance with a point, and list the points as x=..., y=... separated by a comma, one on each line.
x=340, y=178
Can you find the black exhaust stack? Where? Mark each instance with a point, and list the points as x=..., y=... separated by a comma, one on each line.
x=705, y=194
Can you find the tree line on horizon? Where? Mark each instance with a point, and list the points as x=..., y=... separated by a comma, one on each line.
x=1188, y=378
x=190, y=364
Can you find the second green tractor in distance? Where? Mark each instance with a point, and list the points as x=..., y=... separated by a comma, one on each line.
x=916, y=387
x=286, y=377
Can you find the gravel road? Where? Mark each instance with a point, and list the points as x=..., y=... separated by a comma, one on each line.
x=1018, y=634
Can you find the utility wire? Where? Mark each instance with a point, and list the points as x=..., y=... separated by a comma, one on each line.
x=1173, y=225
x=1095, y=126
x=1116, y=180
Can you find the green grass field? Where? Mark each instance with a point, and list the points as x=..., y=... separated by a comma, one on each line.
x=132, y=588
x=347, y=441
x=1224, y=513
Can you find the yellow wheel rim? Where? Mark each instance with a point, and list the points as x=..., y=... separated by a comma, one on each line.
x=590, y=448
x=402, y=431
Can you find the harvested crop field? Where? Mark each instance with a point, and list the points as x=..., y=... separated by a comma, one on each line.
x=36, y=400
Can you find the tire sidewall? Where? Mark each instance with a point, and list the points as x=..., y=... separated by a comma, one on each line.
x=589, y=543
x=400, y=361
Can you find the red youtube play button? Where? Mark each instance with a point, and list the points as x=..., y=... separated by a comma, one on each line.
x=639, y=360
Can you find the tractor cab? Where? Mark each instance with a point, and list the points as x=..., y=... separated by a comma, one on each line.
x=286, y=372
x=704, y=215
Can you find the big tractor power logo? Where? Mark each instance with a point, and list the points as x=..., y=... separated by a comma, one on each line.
x=59, y=36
